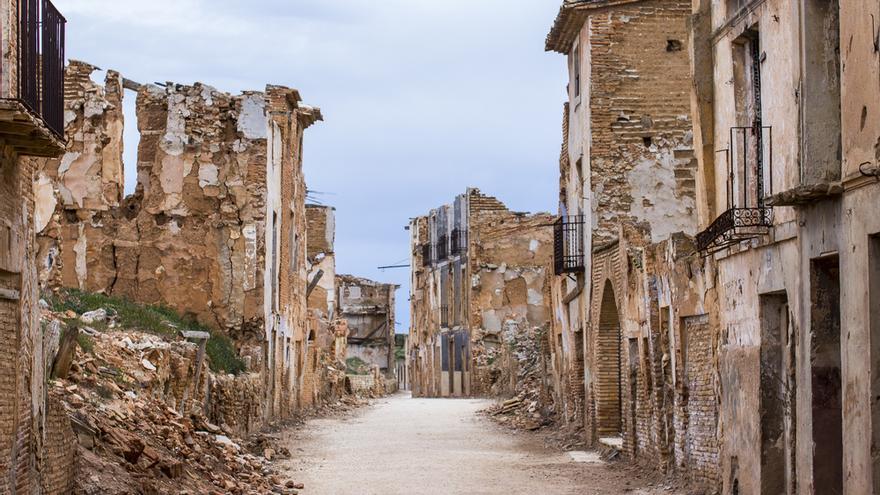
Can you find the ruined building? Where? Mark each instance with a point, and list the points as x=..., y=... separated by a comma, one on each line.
x=717, y=290
x=633, y=347
x=367, y=307
x=33, y=456
x=215, y=229
x=788, y=92
x=323, y=369
x=480, y=275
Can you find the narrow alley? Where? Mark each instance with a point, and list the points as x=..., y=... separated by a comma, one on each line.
x=440, y=247
x=388, y=448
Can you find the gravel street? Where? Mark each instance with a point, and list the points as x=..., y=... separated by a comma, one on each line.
x=401, y=445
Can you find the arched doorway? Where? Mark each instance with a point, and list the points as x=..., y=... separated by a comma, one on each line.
x=609, y=420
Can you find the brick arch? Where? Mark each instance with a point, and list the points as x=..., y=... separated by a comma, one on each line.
x=609, y=382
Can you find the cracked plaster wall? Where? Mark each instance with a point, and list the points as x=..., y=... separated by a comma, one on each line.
x=198, y=234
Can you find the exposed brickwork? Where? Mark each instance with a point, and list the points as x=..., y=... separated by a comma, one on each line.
x=639, y=113
x=629, y=132
x=60, y=451
x=494, y=280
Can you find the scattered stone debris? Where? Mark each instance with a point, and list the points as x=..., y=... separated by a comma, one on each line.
x=519, y=361
x=134, y=435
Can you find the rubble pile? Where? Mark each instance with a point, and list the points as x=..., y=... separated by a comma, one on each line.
x=518, y=364
x=134, y=400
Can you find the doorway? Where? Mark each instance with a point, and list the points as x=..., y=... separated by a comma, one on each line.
x=773, y=392
x=826, y=376
x=608, y=397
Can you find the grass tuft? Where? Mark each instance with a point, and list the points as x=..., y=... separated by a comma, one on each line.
x=155, y=319
x=356, y=366
x=86, y=343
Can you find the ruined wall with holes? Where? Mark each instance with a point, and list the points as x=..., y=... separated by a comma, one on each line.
x=479, y=275
x=367, y=307
x=423, y=325
x=22, y=376
x=508, y=263
x=216, y=228
x=628, y=164
x=640, y=160
x=323, y=370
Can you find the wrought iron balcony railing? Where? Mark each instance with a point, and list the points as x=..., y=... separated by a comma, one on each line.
x=459, y=242
x=568, y=244
x=442, y=248
x=41, y=61
x=749, y=181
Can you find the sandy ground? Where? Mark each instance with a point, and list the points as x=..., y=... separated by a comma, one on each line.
x=401, y=445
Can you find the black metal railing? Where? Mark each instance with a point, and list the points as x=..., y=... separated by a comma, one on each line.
x=444, y=316
x=442, y=249
x=459, y=242
x=426, y=254
x=568, y=244
x=749, y=182
x=41, y=61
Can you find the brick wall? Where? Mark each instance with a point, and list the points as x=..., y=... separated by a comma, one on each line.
x=639, y=114
x=699, y=445
x=60, y=452
x=24, y=431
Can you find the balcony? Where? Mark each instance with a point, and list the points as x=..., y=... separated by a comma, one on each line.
x=444, y=316
x=749, y=183
x=459, y=242
x=568, y=244
x=32, y=108
x=442, y=248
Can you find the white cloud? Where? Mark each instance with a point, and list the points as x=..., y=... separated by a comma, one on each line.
x=422, y=98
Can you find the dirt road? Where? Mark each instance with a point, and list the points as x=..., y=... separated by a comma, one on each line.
x=409, y=446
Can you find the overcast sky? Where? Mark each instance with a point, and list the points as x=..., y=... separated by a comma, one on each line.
x=421, y=98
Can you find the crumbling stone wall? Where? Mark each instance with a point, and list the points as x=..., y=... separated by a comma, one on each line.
x=368, y=308
x=22, y=376
x=422, y=330
x=323, y=369
x=477, y=270
x=628, y=165
x=509, y=258
x=215, y=228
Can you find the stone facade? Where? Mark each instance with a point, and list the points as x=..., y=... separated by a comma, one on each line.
x=323, y=370
x=623, y=304
x=797, y=299
x=33, y=443
x=367, y=307
x=216, y=228
x=479, y=272
x=720, y=325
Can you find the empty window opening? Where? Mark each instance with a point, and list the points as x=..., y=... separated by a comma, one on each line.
x=673, y=45
x=826, y=376
x=820, y=103
x=749, y=144
x=130, y=142
x=576, y=55
x=274, y=280
x=874, y=315
x=773, y=381
x=647, y=141
x=608, y=356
